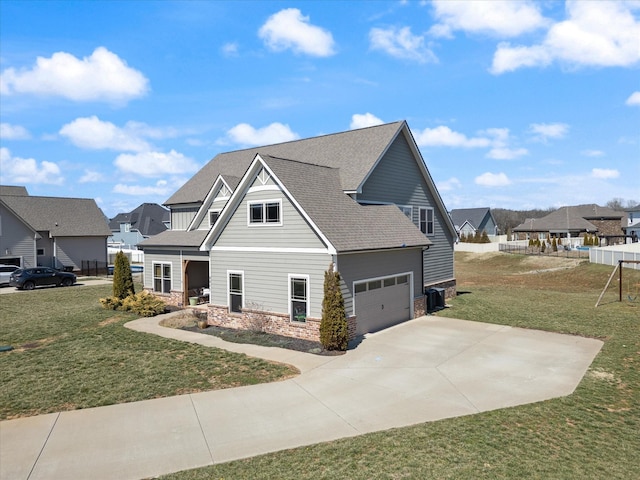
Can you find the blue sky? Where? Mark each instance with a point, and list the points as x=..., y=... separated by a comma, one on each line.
x=516, y=104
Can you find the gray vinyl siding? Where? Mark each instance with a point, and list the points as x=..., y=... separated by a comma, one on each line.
x=361, y=266
x=266, y=277
x=394, y=181
x=294, y=231
x=71, y=251
x=175, y=258
x=182, y=217
x=16, y=239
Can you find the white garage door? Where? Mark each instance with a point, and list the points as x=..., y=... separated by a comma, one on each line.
x=381, y=303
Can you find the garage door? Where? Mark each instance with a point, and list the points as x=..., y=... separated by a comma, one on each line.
x=381, y=303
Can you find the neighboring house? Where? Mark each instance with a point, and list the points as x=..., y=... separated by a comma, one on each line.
x=258, y=228
x=574, y=222
x=129, y=229
x=468, y=221
x=632, y=228
x=50, y=231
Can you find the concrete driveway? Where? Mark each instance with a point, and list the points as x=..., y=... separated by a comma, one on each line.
x=423, y=370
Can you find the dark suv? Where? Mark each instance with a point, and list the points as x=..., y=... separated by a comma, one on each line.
x=30, y=278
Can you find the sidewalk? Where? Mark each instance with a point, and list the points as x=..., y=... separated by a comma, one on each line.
x=423, y=370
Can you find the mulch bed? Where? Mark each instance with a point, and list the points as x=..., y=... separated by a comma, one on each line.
x=265, y=339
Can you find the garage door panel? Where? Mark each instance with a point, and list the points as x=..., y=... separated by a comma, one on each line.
x=382, y=307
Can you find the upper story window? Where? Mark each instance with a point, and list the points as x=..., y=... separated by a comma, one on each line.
x=407, y=210
x=268, y=212
x=426, y=220
x=213, y=217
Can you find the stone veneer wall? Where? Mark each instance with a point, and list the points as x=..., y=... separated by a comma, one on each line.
x=270, y=322
x=450, y=288
x=174, y=298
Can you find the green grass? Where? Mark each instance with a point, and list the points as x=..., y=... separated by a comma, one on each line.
x=70, y=353
x=592, y=434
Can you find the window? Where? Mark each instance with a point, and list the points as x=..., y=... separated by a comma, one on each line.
x=213, y=217
x=407, y=210
x=426, y=220
x=40, y=251
x=299, y=298
x=236, y=288
x=162, y=277
x=265, y=213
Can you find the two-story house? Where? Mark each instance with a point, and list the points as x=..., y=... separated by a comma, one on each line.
x=129, y=229
x=469, y=221
x=257, y=229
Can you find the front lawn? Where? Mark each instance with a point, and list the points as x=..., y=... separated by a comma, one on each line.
x=591, y=434
x=70, y=353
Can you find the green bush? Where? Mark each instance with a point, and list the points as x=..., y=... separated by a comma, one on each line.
x=333, y=325
x=143, y=304
x=122, y=279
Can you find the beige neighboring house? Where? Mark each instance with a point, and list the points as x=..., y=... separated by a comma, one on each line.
x=575, y=222
x=50, y=231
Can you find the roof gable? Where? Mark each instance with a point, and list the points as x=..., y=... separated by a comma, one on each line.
x=61, y=217
x=474, y=216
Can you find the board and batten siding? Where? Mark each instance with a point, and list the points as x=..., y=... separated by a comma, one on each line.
x=398, y=179
x=16, y=239
x=294, y=231
x=181, y=217
x=266, y=277
x=361, y=266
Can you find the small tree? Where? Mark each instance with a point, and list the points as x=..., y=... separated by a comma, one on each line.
x=485, y=237
x=122, y=279
x=477, y=238
x=333, y=325
x=554, y=244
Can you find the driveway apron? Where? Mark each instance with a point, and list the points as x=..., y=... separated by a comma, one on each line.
x=422, y=370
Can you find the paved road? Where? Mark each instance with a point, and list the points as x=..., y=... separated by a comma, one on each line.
x=420, y=371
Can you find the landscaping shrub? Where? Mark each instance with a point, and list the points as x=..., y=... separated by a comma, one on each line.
x=143, y=304
x=122, y=279
x=333, y=326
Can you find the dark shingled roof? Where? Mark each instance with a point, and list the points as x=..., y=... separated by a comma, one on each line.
x=13, y=190
x=472, y=215
x=147, y=218
x=175, y=238
x=354, y=152
x=574, y=218
x=62, y=217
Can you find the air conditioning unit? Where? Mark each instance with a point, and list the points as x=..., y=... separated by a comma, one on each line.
x=435, y=299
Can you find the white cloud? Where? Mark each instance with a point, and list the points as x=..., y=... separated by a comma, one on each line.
x=604, y=173
x=155, y=164
x=500, y=18
x=544, y=131
x=245, y=134
x=634, y=99
x=592, y=153
x=448, y=185
x=489, y=179
x=17, y=170
x=161, y=188
x=598, y=34
x=503, y=153
x=230, y=49
x=289, y=29
x=91, y=177
x=401, y=43
x=364, y=120
x=13, y=132
x=94, y=134
x=443, y=136
x=103, y=76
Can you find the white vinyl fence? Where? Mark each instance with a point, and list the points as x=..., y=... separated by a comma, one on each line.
x=612, y=255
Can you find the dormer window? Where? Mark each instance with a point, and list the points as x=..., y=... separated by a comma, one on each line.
x=213, y=217
x=267, y=212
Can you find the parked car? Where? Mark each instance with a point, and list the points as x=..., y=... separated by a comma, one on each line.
x=30, y=278
x=5, y=273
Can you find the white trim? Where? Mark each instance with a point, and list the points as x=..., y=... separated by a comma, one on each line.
x=373, y=279
x=272, y=250
x=264, y=188
x=153, y=277
x=264, y=223
x=433, y=220
x=207, y=203
x=237, y=272
x=306, y=277
x=213, y=210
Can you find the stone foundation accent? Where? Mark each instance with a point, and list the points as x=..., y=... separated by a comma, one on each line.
x=419, y=306
x=174, y=298
x=450, y=287
x=270, y=322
